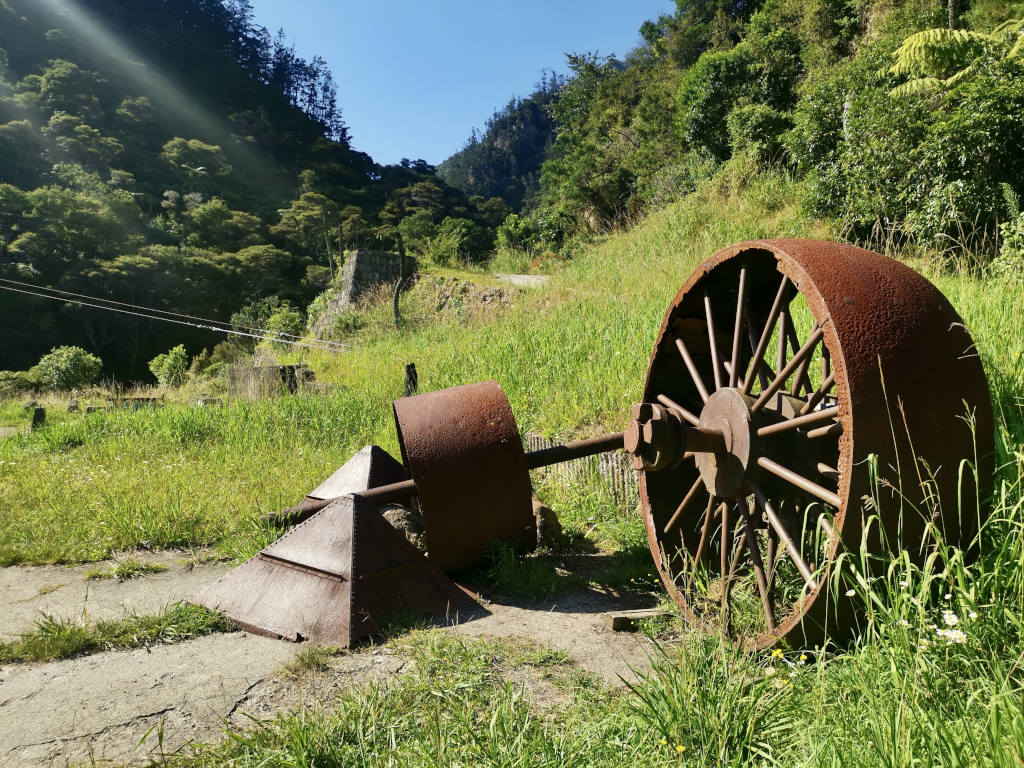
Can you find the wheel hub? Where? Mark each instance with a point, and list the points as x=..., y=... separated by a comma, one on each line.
x=727, y=412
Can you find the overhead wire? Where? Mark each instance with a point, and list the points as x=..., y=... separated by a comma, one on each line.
x=264, y=331
x=218, y=328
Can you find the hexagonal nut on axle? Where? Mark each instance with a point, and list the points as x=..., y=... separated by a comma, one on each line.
x=654, y=437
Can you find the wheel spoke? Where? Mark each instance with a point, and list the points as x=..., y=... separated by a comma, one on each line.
x=673, y=405
x=801, y=379
x=737, y=332
x=827, y=431
x=692, y=368
x=819, y=395
x=825, y=469
x=766, y=335
x=780, y=347
x=830, y=531
x=764, y=373
x=785, y=538
x=799, y=421
x=724, y=572
x=785, y=373
x=702, y=544
x=698, y=484
x=799, y=481
x=758, y=566
x=713, y=342
x=770, y=555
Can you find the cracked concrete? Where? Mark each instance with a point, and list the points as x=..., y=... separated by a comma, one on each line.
x=100, y=707
x=29, y=592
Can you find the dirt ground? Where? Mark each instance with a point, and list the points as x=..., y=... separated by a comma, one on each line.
x=99, y=707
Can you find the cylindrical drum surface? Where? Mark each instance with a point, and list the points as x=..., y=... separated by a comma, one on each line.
x=462, y=447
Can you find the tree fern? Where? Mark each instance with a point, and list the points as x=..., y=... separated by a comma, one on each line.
x=937, y=59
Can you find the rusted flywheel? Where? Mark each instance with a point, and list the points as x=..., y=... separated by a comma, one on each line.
x=783, y=372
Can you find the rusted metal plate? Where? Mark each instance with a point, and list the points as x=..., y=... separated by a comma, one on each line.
x=462, y=447
x=372, y=467
x=908, y=381
x=334, y=579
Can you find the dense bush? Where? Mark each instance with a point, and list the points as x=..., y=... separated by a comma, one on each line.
x=518, y=232
x=67, y=368
x=285, y=322
x=760, y=71
x=171, y=367
x=758, y=129
x=924, y=167
x=15, y=382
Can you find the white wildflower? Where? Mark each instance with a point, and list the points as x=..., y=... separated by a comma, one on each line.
x=950, y=618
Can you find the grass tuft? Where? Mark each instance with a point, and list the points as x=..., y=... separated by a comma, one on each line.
x=131, y=568
x=62, y=638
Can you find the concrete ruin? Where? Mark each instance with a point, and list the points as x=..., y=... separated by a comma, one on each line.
x=363, y=269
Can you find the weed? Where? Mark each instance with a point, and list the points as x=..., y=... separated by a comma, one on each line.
x=125, y=570
x=312, y=658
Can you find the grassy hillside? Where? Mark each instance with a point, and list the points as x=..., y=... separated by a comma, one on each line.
x=571, y=358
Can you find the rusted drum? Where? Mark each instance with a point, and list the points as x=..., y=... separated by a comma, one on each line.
x=462, y=447
x=864, y=368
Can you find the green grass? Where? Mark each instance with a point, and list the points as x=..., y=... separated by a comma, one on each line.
x=131, y=568
x=62, y=638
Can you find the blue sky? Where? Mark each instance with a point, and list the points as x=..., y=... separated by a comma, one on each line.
x=415, y=76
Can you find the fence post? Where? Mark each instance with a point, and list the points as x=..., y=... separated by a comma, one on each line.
x=412, y=381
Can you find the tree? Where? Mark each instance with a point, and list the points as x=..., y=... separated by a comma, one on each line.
x=213, y=225
x=194, y=159
x=68, y=368
x=309, y=225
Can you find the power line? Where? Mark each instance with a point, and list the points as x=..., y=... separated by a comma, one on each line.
x=215, y=328
x=282, y=334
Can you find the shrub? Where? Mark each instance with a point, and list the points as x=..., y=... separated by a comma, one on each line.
x=67, y=368
x=170, y=368
x=1009, y=263
x=13, y=382
x=287, y=322
x=924, y=168
x=318, y=306
x=758, y=129
x=517, y=233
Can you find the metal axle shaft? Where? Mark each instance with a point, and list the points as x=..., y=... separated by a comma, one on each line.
x=394, y=492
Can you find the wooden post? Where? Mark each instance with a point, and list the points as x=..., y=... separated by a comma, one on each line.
x=411, y=380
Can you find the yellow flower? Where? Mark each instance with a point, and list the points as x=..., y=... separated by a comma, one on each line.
x=777, y=653
x=803, y=657
x=664, y=742
x=680, y=748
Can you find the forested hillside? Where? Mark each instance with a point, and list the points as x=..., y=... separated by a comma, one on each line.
x=901, y=120
x=505, y=160
x=176, y=155
x=173, y=154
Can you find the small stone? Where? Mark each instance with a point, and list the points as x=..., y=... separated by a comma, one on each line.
x=549, y=530
x=73, y=406
x=408, y=522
